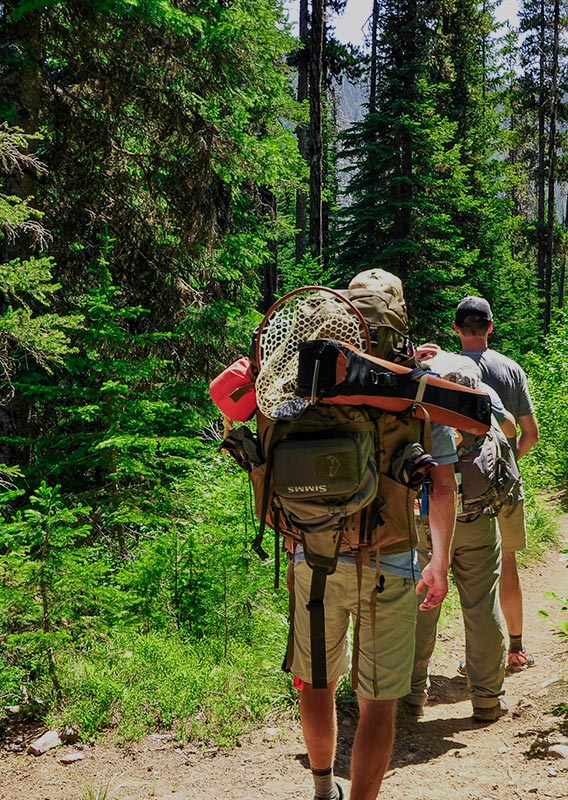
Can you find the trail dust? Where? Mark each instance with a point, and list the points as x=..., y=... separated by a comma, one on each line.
x=442, y=755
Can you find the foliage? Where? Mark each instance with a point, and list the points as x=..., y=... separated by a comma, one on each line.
x=160, y=682
x=146, y=199
x=546, y=464
x=26, y=285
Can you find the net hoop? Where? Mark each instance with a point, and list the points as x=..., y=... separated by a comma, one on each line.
x=304, y=290
x=310, y=312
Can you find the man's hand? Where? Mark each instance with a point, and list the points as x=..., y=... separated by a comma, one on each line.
x=435, y=581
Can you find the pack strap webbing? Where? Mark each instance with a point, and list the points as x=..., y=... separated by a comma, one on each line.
x=378, y=588
x=290, y=582
x=357, y=626
x=317, y=628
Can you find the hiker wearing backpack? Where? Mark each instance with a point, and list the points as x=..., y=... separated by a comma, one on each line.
x=382, y=657
x=348, y=429
x=473, y=324
x=475, y=555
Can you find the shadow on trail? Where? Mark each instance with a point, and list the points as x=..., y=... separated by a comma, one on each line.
x=445, y=690
x=417, y=741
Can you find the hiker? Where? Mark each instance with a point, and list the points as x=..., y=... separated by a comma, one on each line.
x=476, y=565
x=386, y=639
x=473, y=324
x=348, y=430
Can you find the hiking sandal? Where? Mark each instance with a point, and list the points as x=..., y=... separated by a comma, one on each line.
x=520, y=660
x=462, y=669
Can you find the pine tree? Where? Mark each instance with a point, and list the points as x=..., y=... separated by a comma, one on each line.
x=406, y=183
x=542, y=105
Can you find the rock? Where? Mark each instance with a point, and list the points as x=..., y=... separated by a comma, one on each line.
x=48, y=741
x=69, y=735
x=70, y=758
x=558, y=750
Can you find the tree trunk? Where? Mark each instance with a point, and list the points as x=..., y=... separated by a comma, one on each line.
x=374, y=57
x=270, y=273
x=301, y=131
x=552, y=159
x=317, y=36
x=20, y=86
x=541, y=170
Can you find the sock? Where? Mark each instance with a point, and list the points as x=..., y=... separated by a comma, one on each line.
x=324, y=784
x=515, y=643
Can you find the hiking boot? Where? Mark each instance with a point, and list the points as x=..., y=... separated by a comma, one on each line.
x=490, y=713
x=413, y=709
x=337, y=796
x=520, y=660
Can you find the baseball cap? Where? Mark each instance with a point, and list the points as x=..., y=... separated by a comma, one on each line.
x=473, y=307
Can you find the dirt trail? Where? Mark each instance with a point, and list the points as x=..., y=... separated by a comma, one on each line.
x=443, y=756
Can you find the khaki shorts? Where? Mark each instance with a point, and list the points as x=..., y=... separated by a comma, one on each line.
x=395, y=624
x=511, y=521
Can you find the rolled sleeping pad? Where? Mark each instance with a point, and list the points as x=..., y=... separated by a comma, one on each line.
x=331, y=372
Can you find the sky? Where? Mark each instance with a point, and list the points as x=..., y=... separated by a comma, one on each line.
x=349, y=26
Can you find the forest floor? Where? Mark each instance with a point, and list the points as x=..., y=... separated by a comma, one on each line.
x=445, y=754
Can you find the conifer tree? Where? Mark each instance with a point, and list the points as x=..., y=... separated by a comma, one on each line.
x=542, y=107
x=406, y=182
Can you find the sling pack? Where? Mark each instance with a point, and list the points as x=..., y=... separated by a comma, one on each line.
x=331, y=372
x=489, y=473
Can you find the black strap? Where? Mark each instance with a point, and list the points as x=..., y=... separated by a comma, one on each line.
x=277, y=548
x=317, y=628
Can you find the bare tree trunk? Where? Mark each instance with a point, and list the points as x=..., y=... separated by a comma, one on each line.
x=374, y=56
x=270, y=273
x=301, y=131
x=562, y=276
x=552, y=160
x=317, y=38
x=541, y=170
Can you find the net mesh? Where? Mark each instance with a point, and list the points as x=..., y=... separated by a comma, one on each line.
x=313, y=314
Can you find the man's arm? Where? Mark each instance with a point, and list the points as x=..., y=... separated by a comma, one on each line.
x=442, y=519
x=529, y=434
x=508, y=425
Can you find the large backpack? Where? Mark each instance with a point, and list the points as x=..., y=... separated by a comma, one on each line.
x=489, y=474
x=329, y=480
x=487, y=466
x=333, y=476
x=378, y=295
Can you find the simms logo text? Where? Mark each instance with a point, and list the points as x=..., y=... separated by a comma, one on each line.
x=321, y=489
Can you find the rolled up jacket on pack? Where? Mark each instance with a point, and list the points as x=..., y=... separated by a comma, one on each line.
x=333, y=373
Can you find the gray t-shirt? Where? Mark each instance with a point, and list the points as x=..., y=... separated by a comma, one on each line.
x=507, y=378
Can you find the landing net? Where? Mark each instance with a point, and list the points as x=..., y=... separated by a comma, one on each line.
x=300, y=316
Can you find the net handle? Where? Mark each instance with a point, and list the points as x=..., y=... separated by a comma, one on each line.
x=310, y=288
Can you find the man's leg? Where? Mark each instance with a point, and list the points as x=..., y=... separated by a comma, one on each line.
x=372, y=747
x=514, y=538
x=317, y=706
x=319, y=724
x=476, y=567
x=425, y=641
x=511, y=594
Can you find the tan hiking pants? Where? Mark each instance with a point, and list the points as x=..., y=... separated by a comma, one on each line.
x=476, y=566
